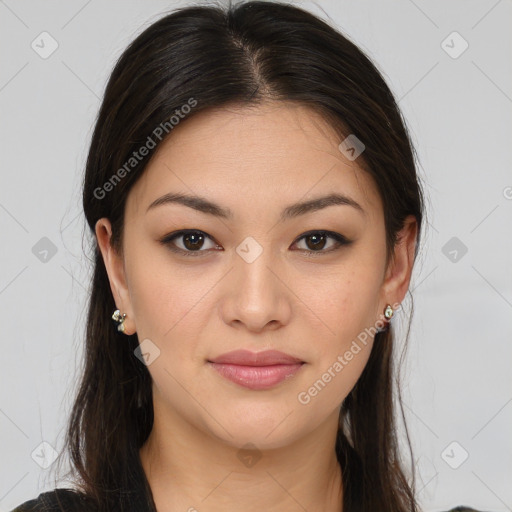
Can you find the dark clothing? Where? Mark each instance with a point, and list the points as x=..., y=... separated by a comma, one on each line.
x=136, y=493
x=61, y=500
x=56, y=500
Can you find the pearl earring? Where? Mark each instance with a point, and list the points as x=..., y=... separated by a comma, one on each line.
x=388, y=314
x=119, y=319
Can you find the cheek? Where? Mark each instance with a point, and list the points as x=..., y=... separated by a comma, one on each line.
x=167, y=299
x=339, y=358
x=345, y=308
x=342, y=304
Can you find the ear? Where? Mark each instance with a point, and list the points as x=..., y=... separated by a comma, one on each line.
x=116, y=273
x=398, y=274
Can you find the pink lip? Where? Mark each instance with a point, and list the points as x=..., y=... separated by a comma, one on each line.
x=256, y=370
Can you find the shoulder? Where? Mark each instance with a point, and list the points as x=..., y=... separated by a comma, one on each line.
x=463, y=509
x=58, y=500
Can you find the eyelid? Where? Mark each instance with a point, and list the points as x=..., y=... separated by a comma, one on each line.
x=340, y=239
x=168, y=239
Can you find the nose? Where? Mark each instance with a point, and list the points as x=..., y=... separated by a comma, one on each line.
x=255, y=293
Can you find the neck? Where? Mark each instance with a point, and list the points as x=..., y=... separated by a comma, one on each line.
x=187, y=469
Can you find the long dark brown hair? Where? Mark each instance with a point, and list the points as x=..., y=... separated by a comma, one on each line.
x=211, y=57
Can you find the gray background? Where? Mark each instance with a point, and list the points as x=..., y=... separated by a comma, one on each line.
x=457, y=385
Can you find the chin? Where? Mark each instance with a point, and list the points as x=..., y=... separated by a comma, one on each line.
x=271, y=430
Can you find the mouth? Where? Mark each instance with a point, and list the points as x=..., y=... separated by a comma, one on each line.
x=248, y=358
x=256, y=370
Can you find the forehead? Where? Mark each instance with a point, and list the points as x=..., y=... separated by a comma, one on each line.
x=275, y=152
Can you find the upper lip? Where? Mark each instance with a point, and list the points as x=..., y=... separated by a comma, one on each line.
x=248, y=358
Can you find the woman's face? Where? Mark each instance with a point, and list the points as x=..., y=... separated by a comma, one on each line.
x=245, y=279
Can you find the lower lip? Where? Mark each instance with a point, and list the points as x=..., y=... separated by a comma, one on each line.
x=257, y=377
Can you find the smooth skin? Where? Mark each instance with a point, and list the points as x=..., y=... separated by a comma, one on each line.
x=255, y=162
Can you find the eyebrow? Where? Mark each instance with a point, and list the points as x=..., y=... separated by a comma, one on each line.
x=295, y=210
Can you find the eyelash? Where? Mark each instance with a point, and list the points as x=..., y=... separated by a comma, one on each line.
x=168, y=239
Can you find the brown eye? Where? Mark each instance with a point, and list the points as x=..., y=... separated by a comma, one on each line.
x=316, y=241
x=192, y=242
